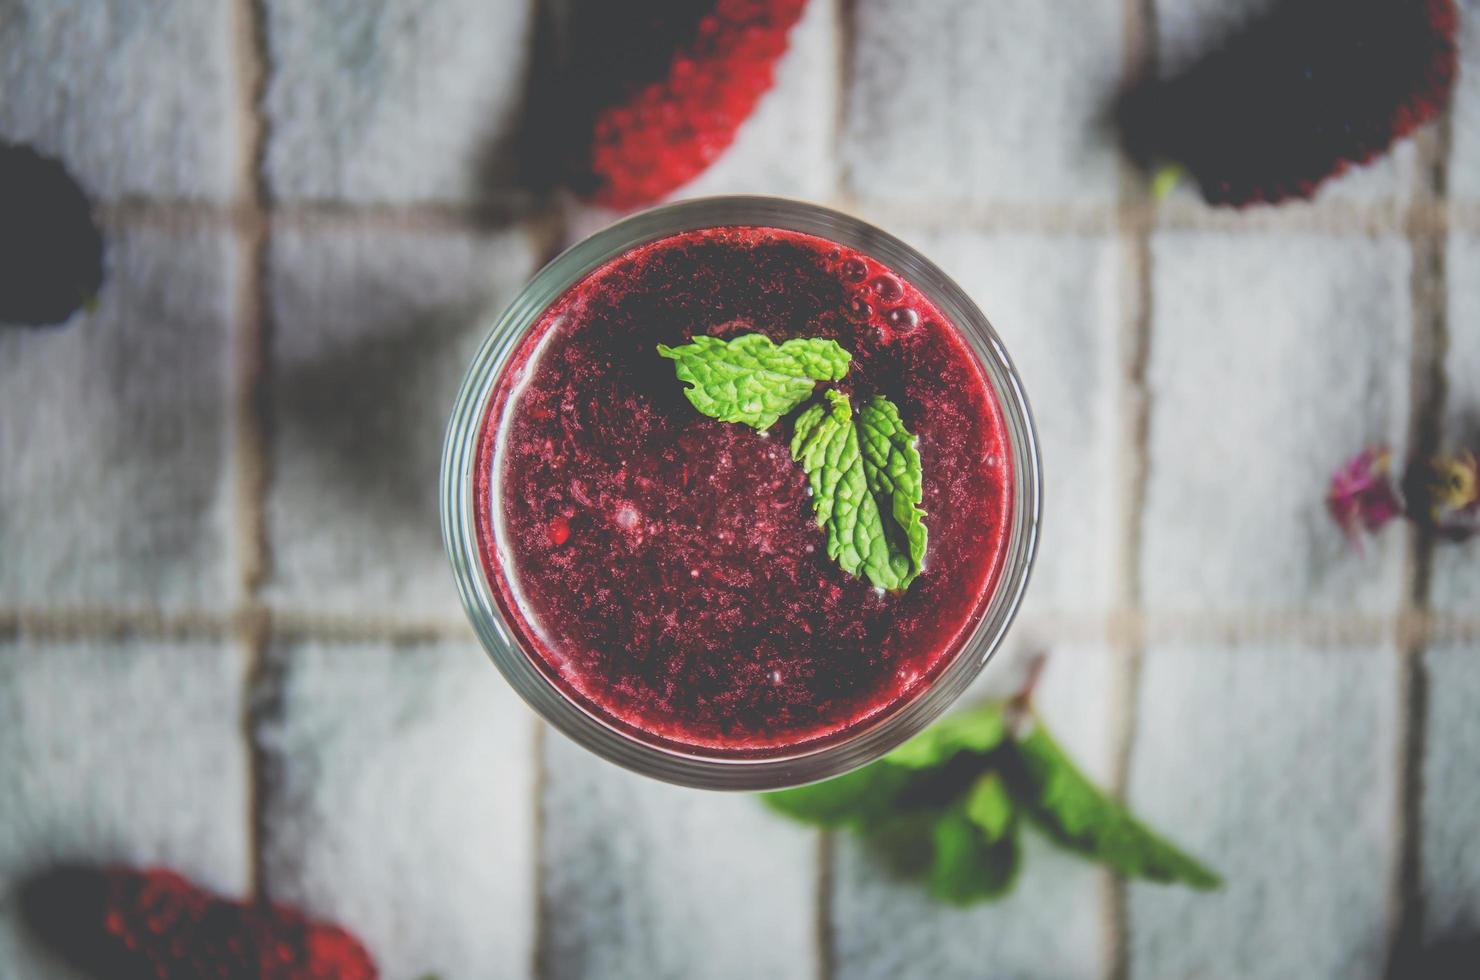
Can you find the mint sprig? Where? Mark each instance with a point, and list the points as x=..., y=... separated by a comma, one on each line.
x=1076, y=814
x=864, y=472
x=967, y=864
x=948, y=807
x=751, y=380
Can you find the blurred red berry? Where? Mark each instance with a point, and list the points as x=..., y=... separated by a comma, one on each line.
x=1362, y=497
x=51, y=252
x=125, y=924
x=670, y=83
x=1315, y=87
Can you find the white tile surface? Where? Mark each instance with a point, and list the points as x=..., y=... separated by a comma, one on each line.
x=114, y=435
x=1054, y=302
x=1450, y=860
x=1273, y=360
x=118, y=754
x=1278, y=766
x=138, y=97
x=400, y=805
x=372, y=333
x=1455, y=584
x=956, y=100
x=1464, y=162
x=1051, y=925
x=394, y=100
x=645, y=880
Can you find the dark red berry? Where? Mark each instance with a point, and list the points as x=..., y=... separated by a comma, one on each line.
x=51, y=253
x=1315, y=87
x=123, y=924
x=661, y=86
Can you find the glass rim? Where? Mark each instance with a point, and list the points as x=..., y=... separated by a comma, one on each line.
x=694, y=767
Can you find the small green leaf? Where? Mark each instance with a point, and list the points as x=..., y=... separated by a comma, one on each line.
x=1166, y=177
x=751, y=380
x=980, y=729
x=856, y=798
x=891, y=461
x=966, y=867
x=989, y=806
x=826, y=443
x=1079, y=816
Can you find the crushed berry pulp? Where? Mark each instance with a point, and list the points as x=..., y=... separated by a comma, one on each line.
x=665, y=570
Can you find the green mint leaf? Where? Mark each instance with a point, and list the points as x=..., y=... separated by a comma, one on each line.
x=891, y=462
x=857, y=798
x=863, y=537
x=966, y=867
x=751, y=380
x=1079, y=816
x=914, y=776
x=980, y=729
x=947, y=808
x=989, y=806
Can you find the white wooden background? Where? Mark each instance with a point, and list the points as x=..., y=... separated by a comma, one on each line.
x=229, y=642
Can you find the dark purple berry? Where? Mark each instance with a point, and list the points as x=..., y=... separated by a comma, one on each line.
x=51, y=253
x=1315, y=87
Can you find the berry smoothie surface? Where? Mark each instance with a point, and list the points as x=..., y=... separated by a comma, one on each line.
x=665, y=570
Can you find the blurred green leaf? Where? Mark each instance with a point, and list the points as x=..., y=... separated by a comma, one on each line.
x=859, y=797
x=947, y=807
x=989, y=806
x=1061, y=800
x=980, y=729
x=966, y=867
x=922, y=772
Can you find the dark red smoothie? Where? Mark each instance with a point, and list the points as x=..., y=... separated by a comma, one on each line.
x=665, y=570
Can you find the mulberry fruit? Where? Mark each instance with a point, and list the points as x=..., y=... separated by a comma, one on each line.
x=51, y=254
x=660, y=87
x=1317, y=86
x=155, y=925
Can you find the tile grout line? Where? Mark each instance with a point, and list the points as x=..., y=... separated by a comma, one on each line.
x=827, y=844
x=1140, y=39
x=540, y=941
x=1333, y=219
x=1427, y=285
x=844, y=16
x=251, y=223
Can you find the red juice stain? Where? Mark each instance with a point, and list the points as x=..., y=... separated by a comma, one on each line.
x=664, y=569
